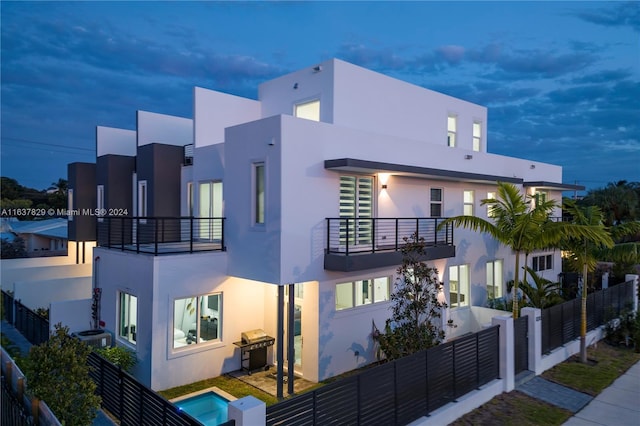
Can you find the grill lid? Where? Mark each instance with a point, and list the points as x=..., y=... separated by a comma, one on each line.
x=252, y=336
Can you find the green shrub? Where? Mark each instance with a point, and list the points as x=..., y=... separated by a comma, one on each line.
x=119, y=356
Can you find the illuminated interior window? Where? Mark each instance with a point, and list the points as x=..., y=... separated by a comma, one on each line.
x=308, y=110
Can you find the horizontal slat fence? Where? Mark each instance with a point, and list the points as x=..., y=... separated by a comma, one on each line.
x=32, y=326
x=561, y=323
x=401, y=391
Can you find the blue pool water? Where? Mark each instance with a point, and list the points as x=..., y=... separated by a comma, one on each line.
x=208, y=408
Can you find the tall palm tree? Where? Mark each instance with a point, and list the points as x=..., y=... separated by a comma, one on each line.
x=582, y=251
x=519, y=226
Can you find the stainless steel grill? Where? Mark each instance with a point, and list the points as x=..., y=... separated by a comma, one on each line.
x=253, y=350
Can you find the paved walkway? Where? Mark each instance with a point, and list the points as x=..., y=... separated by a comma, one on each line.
x=21, y=342
x=617, y=405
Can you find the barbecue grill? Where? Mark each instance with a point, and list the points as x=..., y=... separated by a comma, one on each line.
x=253, y=350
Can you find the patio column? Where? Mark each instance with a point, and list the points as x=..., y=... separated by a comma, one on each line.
x=291, y=350
x=280, y=343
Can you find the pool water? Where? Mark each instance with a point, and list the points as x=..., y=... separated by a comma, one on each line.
x=208, y=408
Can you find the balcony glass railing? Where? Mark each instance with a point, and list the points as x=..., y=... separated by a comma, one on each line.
x=161, y=235
x=370, y=235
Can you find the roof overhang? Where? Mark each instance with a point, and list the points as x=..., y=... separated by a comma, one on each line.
x=554, y=186
x=365, y=166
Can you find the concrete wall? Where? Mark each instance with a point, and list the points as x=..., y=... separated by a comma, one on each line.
x=75, y=314
x=163, y=129
x=39, y=294
x=39, y=273
x=110, y=140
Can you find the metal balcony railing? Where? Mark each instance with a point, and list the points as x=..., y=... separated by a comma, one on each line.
x=161, y=235
x=370, y=235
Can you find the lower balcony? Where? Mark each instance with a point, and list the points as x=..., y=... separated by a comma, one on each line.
x=356, y=244
x=161, y=235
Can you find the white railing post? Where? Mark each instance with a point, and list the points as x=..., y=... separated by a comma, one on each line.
x=534, y=338
x=506, y=348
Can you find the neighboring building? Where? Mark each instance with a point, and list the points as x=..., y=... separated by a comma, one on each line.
x=308, y=189
x=47, y=237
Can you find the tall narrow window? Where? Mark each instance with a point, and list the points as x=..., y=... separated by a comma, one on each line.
x=128, y=317
x=494, y=279
x=210, y=210
x=190, y=199
x=356, y=207
x=477, y=135
x=490, y=207
x=540, y=197
x=70, y=204
x=436, y=202
x=468, y=198
x=100, y=202
x=459, y=286
x=142, y=198
x=309, y=110
x=259, y=191
x=451, y=130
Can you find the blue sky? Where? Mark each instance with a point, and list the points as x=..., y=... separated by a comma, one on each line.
x=561, y=80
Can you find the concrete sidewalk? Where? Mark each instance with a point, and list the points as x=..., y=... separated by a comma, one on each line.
x=617, y=405
x=24, y=345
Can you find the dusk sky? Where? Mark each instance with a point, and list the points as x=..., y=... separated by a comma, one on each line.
x=561, y=80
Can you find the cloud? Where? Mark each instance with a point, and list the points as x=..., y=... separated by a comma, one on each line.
x=625, y=14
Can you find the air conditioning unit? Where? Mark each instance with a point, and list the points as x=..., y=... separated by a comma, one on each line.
x=95, y=338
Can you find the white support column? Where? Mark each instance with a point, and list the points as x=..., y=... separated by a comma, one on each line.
x=507, y=359
x=630, y=277
x=534, y=338
x=247, y=411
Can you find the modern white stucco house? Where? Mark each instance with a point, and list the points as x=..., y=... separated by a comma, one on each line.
x=330, y=160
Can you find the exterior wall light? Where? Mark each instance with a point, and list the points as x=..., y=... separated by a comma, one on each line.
x=468, y=157
x=533, y=166
x=384, y=186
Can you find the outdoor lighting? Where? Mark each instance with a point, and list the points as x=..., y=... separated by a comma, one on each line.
x=468, y=157
x=384, y=186
x=533, y=166
x=442, y=299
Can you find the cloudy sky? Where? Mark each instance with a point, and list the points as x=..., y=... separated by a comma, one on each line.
x=561, y=80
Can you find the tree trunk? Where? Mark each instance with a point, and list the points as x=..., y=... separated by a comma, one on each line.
x=515, y=286
x=583, y=317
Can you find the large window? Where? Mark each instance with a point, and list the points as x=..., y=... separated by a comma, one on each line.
x=542, y=263
x=477, y=135
x=458, y=286
x=197, y=320
x=100, y=202
x=70, y=204
x=490, y=207
x=258, y=193
x=494, y=279
x=356, y=204
x=452, y=124
x=468, y=200
x=309, y=110
x=128, y=317
x=436, y=202
x=210, y=206
x=362, y=292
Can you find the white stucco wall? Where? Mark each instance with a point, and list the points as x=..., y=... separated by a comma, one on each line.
x=75, y=314
x=164, y=129
x=39, y=294
x=12, y=275
x=111, y=140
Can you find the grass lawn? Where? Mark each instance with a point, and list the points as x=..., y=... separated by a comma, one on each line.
x=516, y=408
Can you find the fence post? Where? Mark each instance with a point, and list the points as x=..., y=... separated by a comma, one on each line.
x=534, y=338
x=634, y=278
x=506, y=347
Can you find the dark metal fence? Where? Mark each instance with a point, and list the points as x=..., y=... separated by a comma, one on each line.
x=370, y=235
x=561, y=323
x=7, y=306
x=400, y=391
x=521, y=343
x=33, y=327
x=131, y=402
x=13, y=412
x=161, y=235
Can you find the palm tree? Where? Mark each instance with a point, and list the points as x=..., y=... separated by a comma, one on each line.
x=543, y=293
x=519, y=226
x=60, y=186
x=582, y=251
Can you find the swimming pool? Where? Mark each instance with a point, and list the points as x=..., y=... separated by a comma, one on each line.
x=207, y=406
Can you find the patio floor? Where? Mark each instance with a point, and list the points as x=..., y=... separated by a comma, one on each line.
x=266, y=381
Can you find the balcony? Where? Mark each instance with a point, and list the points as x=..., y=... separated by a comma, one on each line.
x=355, y=244
x=161, y=235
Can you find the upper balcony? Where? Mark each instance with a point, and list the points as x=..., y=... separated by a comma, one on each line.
x=161, y=235
x=356, y=244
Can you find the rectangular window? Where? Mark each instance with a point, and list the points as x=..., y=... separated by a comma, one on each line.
x=142, y=199
x=436, y=202
x=458, y=286
x=494, y=279
x=477, y=135
x=258, y=193
x=468, y=201
x=362, y=292
x=210, y=207
x=197, y=320
x=100, y=201
x=540, y=197
x=451, y=130
x=490, y=196
x=308, y=110
x=542, y=263
x=70, y=204
x=190, y=199
x=128, y=317
x=356, y=206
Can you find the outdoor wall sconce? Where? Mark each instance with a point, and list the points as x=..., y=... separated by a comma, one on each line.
x=468, y=157
x=295, y=86
x=533, y=166
x=384, y=186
